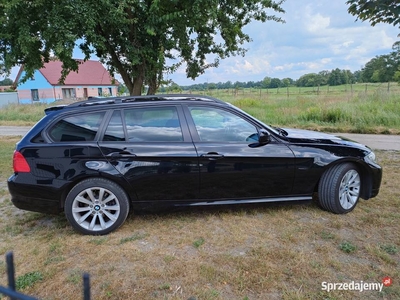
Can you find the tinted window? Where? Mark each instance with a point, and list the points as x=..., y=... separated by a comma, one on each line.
x=153, y=125
x=115, y=130
x=81, y=127
x=217, y=125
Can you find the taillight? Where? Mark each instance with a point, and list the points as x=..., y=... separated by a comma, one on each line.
x=20, y=164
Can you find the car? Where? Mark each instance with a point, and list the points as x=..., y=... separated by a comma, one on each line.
x=99, y=159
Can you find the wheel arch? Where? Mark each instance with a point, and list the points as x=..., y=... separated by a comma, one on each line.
x=120, y=181
x=362, y=168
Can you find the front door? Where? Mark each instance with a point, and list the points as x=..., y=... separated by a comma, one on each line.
x=229, y=167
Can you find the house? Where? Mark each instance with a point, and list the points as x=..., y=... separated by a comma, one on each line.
x=5, y=88
x=91, y=80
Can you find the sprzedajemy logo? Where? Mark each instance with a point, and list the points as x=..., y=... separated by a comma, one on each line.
x=360, y=286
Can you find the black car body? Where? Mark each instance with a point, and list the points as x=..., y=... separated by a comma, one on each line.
x=98, y=159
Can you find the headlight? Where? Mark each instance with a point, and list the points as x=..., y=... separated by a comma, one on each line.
x=371, y=157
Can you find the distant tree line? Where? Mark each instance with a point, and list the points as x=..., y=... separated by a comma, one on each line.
x=383, y=68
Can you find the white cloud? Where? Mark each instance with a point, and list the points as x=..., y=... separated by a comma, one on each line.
x=317, y=23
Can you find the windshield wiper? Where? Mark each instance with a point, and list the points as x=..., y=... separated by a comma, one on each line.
x=281, y=131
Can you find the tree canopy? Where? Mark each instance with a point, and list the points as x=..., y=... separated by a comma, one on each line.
x=6, y=82
x=138, y=39
x=377, y=11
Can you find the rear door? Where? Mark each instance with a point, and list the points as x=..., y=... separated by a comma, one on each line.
x=229, y=167
x=152, y=148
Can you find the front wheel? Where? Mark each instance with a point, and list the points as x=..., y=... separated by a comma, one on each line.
x=339, y=188
x=96, y=206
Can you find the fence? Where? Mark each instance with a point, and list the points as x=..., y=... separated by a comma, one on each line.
x=8, y=98
x=265, y=93
x=11, y=292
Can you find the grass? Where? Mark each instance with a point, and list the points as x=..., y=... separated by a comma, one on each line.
x=268, y=251
x=343, y=108
x=347, y=247
x=28, y=280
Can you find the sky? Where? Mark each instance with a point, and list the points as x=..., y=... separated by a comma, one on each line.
x=318, y=35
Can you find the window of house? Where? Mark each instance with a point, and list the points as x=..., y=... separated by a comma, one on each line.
x=110, y=91
x=100, y=91
x=35, y=95
x=68, y=93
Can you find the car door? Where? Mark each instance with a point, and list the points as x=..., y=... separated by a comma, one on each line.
x=151, y=147
x=229, y=167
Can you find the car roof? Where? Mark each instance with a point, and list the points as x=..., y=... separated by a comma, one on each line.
x=94, y=101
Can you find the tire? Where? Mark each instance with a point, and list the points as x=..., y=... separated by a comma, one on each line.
x=96, y=206
x=339, y=188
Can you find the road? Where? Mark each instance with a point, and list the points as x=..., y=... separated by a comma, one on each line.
x=374, y=141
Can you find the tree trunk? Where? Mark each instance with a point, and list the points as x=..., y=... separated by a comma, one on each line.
x=137, y=86
x=138, y=82
x=153, y=86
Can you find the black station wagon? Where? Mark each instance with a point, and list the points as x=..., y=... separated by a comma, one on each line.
x=98, y=159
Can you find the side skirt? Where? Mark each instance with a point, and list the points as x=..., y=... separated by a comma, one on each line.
x=245, y=201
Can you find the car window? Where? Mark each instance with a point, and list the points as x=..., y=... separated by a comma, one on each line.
x=159, y=124
x=115, y=128
x=218, y=125
x=82, y=127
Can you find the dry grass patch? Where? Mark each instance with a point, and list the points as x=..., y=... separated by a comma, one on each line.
x=270, y=251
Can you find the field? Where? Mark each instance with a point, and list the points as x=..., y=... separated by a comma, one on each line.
x=358, y=108
x=284, y=251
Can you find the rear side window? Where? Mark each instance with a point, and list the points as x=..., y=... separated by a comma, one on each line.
x=115, y=129
x=159, y=124
x=77, y=128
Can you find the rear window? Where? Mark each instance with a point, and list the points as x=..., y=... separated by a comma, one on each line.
x=77, y=128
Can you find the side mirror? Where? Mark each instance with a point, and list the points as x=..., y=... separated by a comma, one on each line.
x=263, y=139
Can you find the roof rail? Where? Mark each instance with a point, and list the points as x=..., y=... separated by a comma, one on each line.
x=158, y=97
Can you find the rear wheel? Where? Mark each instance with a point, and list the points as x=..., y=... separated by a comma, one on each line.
x=339, y=188
x=96, y=206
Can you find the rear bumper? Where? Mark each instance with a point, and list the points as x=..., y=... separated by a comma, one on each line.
x=32, y=198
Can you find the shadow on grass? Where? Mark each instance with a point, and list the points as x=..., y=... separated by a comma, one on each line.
x=31, y=221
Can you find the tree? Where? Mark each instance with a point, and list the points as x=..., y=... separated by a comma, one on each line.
x=377, y=11
x=275, y=83
x=139, y=39
x=309, y=80
x=6, y=82
x=286, y=82
x=122, y=89
x=381, y=68
x=266, y=82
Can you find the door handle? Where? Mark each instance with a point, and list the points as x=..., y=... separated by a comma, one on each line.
x=121, y=154
x=212, y=155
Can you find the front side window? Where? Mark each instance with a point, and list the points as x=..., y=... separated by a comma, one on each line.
x=77, y=128
x=159, y=124
x=218, y=125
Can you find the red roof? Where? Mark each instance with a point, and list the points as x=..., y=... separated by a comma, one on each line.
x=90, y=72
